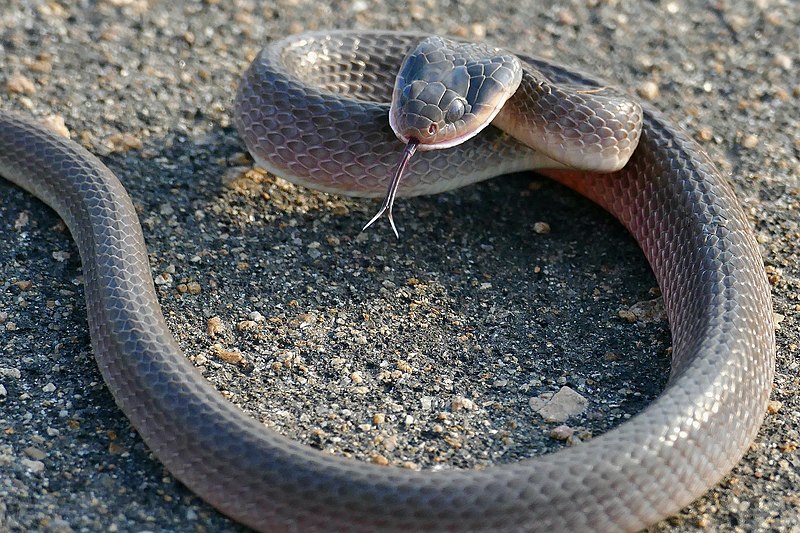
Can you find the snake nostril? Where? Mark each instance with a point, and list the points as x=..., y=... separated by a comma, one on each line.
x=433, y=128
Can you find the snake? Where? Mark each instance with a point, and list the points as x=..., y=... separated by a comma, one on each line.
x=344, y=111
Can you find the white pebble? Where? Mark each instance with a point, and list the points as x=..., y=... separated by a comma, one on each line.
x=33, y=466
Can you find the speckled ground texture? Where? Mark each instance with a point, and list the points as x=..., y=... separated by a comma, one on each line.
x=360, y=344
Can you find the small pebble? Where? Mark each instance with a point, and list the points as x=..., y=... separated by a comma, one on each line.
x=229, y=356
x=34, y=466
x=542, y=228
x=460, y=403
x=562, y=405
x=646, y=311
x=478, y=30
x=61, y=256
x=192, y=287
x=390, y=443
x=379, y=459
x=705, y=134
x=648, y=90
x=163, y=278
x=562, y=432
x=750, y=141
x=19, y=84
x=566, y=18
x=34, y=453
x=215, y=326
x=246, y=325
x=56, y=123
x=774, y=406
x=454, y=441
x=782, y=60
x=123, y=142
x=43, y=63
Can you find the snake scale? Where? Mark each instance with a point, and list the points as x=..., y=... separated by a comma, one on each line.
x=314, y=108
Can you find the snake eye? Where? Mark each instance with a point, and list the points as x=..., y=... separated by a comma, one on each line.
x=455, y=110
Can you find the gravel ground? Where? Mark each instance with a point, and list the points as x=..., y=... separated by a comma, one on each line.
x=423, y=352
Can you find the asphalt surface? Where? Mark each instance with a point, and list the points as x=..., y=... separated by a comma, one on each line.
x=422, y=352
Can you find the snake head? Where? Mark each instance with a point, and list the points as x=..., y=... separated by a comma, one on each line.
x=447, y=91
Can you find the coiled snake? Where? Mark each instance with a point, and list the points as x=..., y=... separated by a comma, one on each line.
x=314, y=109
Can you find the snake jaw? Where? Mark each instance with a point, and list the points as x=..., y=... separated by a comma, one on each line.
x=391, y=194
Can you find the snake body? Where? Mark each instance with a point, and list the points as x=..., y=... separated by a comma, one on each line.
x=314, y=108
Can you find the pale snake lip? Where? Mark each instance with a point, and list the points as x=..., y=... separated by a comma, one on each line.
x=671, y=197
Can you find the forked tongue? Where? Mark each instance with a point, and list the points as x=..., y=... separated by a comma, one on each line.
x=391, y=194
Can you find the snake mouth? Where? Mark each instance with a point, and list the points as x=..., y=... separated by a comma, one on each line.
x=436, y=145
